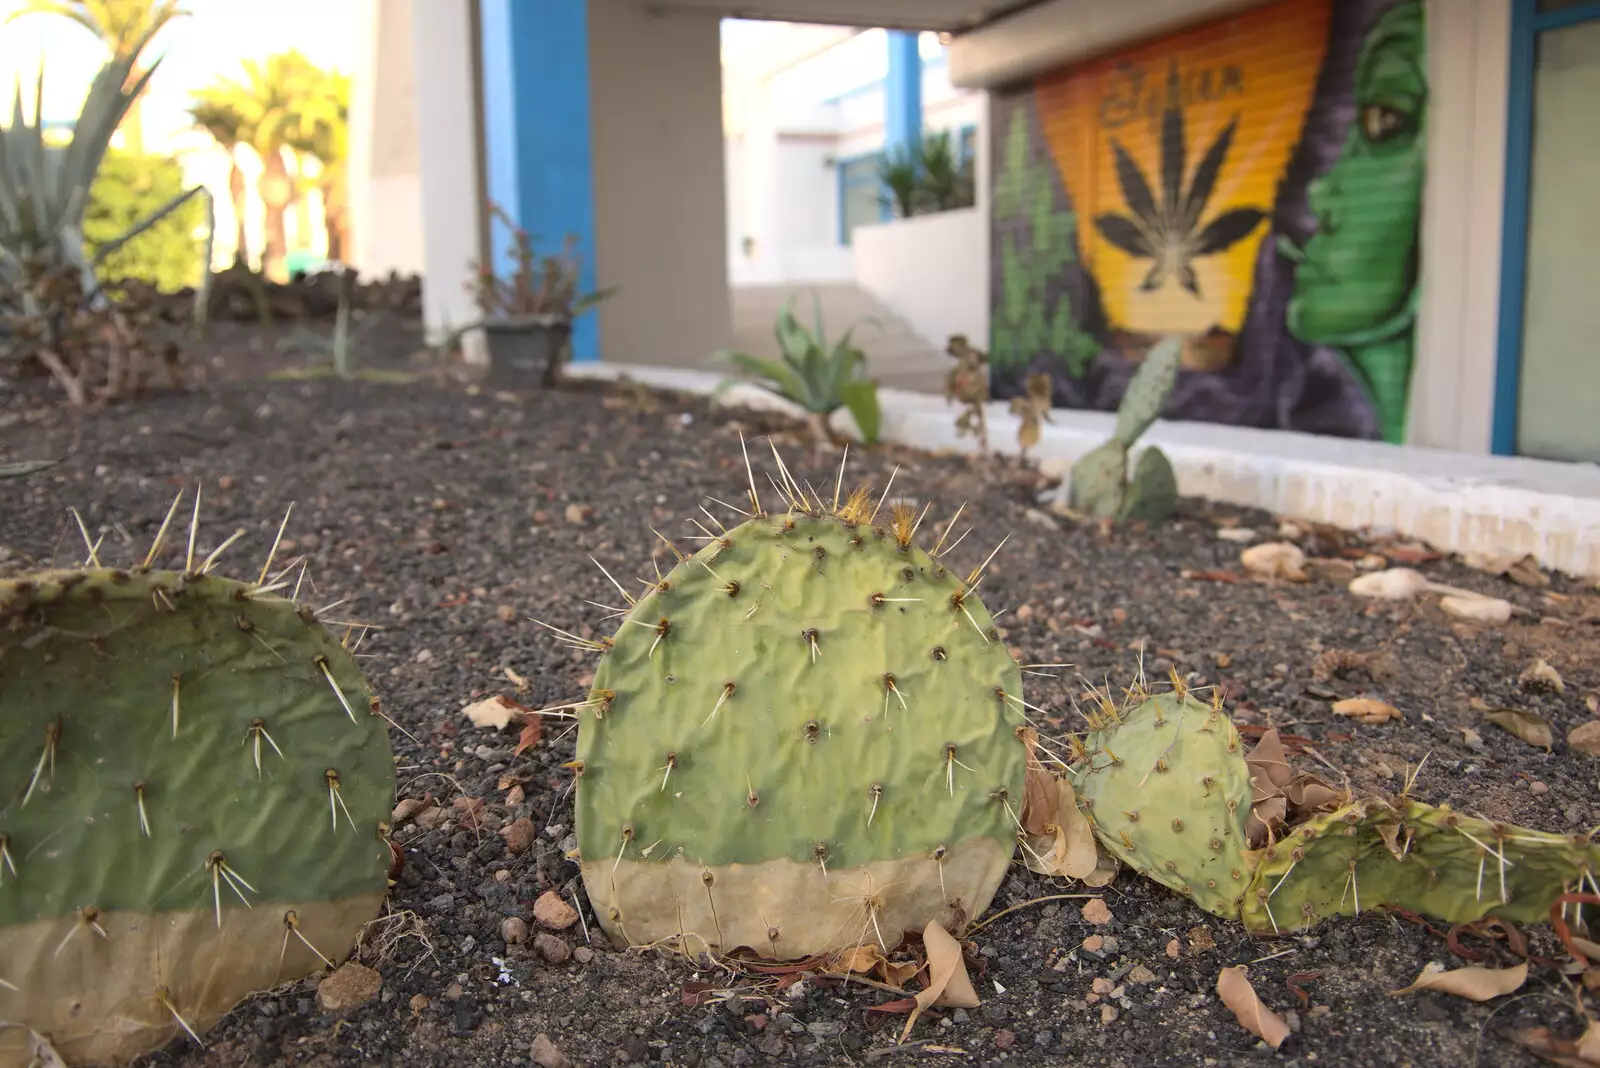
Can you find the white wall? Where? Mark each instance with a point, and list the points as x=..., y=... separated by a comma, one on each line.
x=385, y=189
x=443, y=67
x=657, y=156
x=932, y=271
x=1453, y=388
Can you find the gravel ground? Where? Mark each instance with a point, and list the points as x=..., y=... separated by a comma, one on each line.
x=450, y=515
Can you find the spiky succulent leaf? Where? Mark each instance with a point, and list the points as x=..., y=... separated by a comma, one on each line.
x=1169, y=792
x=1099, y=480
x=1147, y=390
x=1153, y=489
x=190, y=773
x=1406, y=854
x=805, y=737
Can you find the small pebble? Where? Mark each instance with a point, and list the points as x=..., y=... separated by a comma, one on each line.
x=1538, y=789
x=583, y=955
x=551, y=948
x=513, y=931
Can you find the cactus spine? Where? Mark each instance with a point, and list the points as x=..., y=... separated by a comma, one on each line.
x=807, y=736
x=1100, y=484
x=194, y=780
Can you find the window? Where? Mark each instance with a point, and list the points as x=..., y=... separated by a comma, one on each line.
x=858, y=194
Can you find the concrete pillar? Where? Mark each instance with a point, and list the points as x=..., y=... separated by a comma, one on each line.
x=660, y=218
x=536, y=119
x=444, y=68
x=902, y=93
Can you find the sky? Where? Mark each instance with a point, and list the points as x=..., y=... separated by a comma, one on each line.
x=211, y=42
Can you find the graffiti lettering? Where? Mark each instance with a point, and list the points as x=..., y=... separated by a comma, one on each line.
x=1131, y=94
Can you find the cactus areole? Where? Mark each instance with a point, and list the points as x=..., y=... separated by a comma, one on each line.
x=806, y=737
x=193, y=785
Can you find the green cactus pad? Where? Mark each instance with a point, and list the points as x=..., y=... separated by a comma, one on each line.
x=1153, y=489
x=1169, y=792
x=136, y=827
x=1431, y=861
x=1099, y=482
x=770, y=761
x=1147, y=391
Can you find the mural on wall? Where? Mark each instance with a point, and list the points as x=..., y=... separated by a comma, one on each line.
x=1254, y=185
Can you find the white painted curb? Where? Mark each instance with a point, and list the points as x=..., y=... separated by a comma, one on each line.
x=1457, y=502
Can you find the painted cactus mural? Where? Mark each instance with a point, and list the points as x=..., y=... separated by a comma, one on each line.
x=1253, y=185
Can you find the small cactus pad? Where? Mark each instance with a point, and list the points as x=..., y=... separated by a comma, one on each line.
x=805, y=738
x=1430, y=861
x=193, y=789
x=1169, y=792
x=1153, y=489
x=1099, y=481
x=1147, y=390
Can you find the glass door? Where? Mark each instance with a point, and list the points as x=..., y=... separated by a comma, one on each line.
x=1548, y=393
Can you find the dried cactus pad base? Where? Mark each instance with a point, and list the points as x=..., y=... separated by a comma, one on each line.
x=1419, y=857
x=193, y=785
x=1166, y=783
x=804, y=739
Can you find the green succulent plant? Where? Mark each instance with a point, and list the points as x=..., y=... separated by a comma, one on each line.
x=194, y=787
x=819, y=377
x=1171, y=791
x=1100, y=483
x=806, y=737
x=1167, y=229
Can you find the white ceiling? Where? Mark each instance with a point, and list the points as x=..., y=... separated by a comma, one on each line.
x=950, y=16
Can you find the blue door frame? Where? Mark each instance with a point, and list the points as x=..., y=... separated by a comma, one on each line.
x=1526, y=25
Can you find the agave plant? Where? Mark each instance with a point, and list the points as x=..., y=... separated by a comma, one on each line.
x=44, y=190
x=1169, y=231
x=818, y=377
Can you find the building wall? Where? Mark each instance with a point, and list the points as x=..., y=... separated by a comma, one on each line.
x=385, y=178
x=1254, y=184
x=1453, y=388
x=657, y=151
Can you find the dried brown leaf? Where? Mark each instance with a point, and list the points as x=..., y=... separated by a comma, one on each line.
x=1474, y=983
x=1539, y=675
x=1564, y=1052
x=1366, y=710
x=948, y=982
x=1531, y=728
x=1585, y=738
x=1234, y=988
x=1105, y=870
x=532, y=731
x=497, y=712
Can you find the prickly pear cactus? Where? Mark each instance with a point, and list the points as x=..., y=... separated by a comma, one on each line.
x=1153, y=489
x=1431, y=861
x=1099, y=480
x=194, y=784
x=1100, y=484
x=804, y=738
x=1147, y=391
x=1169, y=792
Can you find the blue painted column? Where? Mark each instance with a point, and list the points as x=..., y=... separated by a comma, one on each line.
x=536, y=132
x=902, y=93
x=902, y=102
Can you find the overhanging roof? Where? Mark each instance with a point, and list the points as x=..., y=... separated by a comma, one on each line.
x=945, y=16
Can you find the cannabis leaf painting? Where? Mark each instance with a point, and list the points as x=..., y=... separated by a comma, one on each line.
x=1169, y=231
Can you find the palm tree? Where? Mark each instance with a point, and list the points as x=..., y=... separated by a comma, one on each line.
x=322, y=131
x=261, y=111
x=121, y=25
x=219, y=116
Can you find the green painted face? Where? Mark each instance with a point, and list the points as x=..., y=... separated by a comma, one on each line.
x=1357, y=278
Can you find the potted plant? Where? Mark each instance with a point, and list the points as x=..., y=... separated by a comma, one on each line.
x=528, y=315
